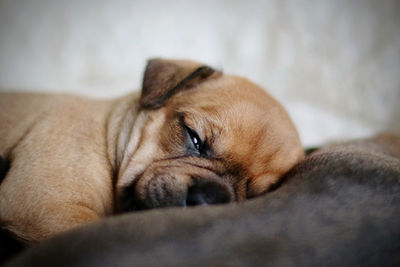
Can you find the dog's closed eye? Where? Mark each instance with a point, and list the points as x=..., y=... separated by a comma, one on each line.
x=196, y=145
x=194, y=137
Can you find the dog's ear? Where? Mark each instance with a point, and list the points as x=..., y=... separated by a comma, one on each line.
x=164, y=78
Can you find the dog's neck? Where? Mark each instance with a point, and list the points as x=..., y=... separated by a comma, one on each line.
x=124, y=120
x=128, y=143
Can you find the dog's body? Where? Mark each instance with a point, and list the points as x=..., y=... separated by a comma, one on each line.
x=59, y=174
x=193, y=136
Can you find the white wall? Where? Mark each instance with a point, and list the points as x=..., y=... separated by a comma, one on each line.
x=335, y=65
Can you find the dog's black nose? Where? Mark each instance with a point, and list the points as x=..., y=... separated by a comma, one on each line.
x=207, y=193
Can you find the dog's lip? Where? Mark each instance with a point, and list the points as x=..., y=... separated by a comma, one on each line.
x=217, y=191
x=208, y=191
x=214, y=169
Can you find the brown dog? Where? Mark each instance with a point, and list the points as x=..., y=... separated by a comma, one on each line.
x=194, y=136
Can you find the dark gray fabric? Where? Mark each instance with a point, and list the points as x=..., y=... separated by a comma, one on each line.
x=339, y=207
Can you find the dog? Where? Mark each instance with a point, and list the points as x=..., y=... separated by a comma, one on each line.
x=192, y=136
x=340, y=206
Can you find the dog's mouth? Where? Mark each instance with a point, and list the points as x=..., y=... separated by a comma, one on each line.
x=178, y=183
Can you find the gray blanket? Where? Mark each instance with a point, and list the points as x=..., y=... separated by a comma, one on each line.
x=339, y=207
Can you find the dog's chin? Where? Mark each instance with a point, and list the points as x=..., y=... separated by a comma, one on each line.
x=165, y=191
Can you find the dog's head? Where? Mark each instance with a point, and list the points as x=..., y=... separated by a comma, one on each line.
x=201, y=137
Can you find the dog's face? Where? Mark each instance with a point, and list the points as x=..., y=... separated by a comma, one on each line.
x=205, y=138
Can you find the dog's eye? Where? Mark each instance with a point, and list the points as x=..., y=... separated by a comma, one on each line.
x=197, y=143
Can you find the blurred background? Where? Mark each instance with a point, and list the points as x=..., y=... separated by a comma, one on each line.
x=334, y=65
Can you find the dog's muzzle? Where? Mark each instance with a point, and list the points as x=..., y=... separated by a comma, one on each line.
x=176, y=182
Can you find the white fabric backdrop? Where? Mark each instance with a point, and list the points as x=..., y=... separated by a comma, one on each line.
x=334, y=65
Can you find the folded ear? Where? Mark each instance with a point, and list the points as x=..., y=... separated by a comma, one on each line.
x=163, y=78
